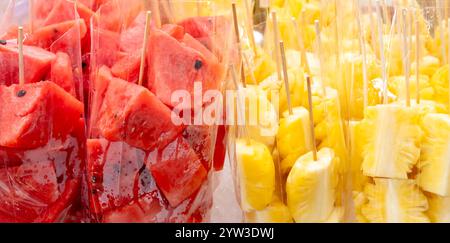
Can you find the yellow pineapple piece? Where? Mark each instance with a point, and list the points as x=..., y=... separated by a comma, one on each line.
x=440, y=85
x=276, y=212
x=428, y=66
x=434, y=165
x=261, y=118
x=262, y=67
x=356, y=159
x=359, y=200
x=337, y=216
x=397, y=85
x=395, y=201
x=311, y=187
x=439, y=211
x=256, y=173
x=294, y=134
x=391, y=141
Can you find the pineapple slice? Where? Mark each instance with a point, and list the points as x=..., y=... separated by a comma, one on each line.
x=311, y=187
x=392, y=138
x=434, y=165
x=276, y=212
x=395, y=201
x=294, y=136
x=439, y=211
x=440, y=86
x=261, y=118
x=256, y=173
x=398, y=87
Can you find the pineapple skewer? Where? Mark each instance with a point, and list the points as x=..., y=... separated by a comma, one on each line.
x=144, y=47
x=449, y=67
x=406, y=65
x=301, y=43
x=21, y=61
x=417, y=61
x=319, y=56
x=286, y=77
x=249, y=24
x=311, y=118
x=276, y=39
x=364, y=58
x=382, y=54
x=238, y=40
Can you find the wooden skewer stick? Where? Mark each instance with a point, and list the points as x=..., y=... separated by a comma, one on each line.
x=239, y=105
x=319, y=55
x=286, y=77
x=382, y=54
x=364, y=58
x=21, y=62
x=373, y=21
x=311, y=118
x=144, y=47
x=249, y=24
x=417, y=61
x=406, y=57
x=238, y=40
x=276, y=39
x=301, y=44
x=449, y=68
x=157, y=14
x=247, y=64
x=441, y=32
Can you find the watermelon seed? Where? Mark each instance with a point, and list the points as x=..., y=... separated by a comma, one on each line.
x=3, y=42
x=83, y=65
x=21, y=93
x=94, y=179
x=198, y=64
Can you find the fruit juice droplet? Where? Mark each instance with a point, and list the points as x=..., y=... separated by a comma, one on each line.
x=198, y=64
x=21, y=93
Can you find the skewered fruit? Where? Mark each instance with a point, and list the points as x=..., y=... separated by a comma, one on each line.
x=395, y=201
x=261, y=116
x=434, y=165
x=398, y=87
x=440, y=82
x=428, y=66
x=294, y=136
x=439, y=211
x=311, y=187
x=391, y=141
x=276, y=212
x=263, y=66
x=256, y=171
x=358, y=178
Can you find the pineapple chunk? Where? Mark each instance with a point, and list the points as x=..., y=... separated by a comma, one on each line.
x=358, y=178
x=256, y=171
x=428, y=66
x=311, y=187
x=260, y=116
x=434, y=165
x=392, y=138
x=440, y=86
x=398, y=87
x=359, y=200
x=395, y=201
x=294, y=136
x=263, y=66
x=439, y=211
x=276, y=212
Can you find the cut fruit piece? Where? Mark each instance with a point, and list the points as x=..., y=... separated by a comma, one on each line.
x=434, y=165
x=392, y=141
x=256, y=174
x=440, y=85
x=178, y=171
x=395, y=201
x=130, y=113
x=294, y=135
x=276, y=212
x=439, y=211
x=37, y=63
x=44, y=37
x=128, y=68
x=359, y=200
x=311, y=187
x=35, y=113
x=356, y=159
x=61, y=73
x=173, y=66
x=398, y=87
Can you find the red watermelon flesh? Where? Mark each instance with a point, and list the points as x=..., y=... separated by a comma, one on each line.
x=105, y=46
x=200, y=140
x=131, y=113
x=116, y=175
x=64, y=10
x=26, y=191
x=178, y=171
x=132, y=39
x=128, y=68
x=220, y=148
x=61, y=73
x=174, y=30
x=34, y=113
x=173, y=66
x=37, y=63
x=44, y=37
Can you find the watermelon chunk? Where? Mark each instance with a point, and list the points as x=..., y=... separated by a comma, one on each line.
x=105, y=46
x=64, y=10
x=32, y=114
x=36, y=60
x=200, y=140
x=44, y=37
x=128, y=68
x=131, y=113
x=61, y=73
x=178, y=171
x=132, y=39
x=173, y=66
x=174, y=30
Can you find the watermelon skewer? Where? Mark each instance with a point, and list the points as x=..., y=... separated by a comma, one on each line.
x=144, y=47
x=21, y=65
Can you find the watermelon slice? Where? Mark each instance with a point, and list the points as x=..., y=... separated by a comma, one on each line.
x=32, y=114
x=178, y=171
x=36, y=60
x=131, y=113
x=200, y=140
x=174, y=30
x=173, y=66
x=132, y=39
x=64, y=10
x=105, y=46
x=44, y=37
x=128, y=68
x=61, y=73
